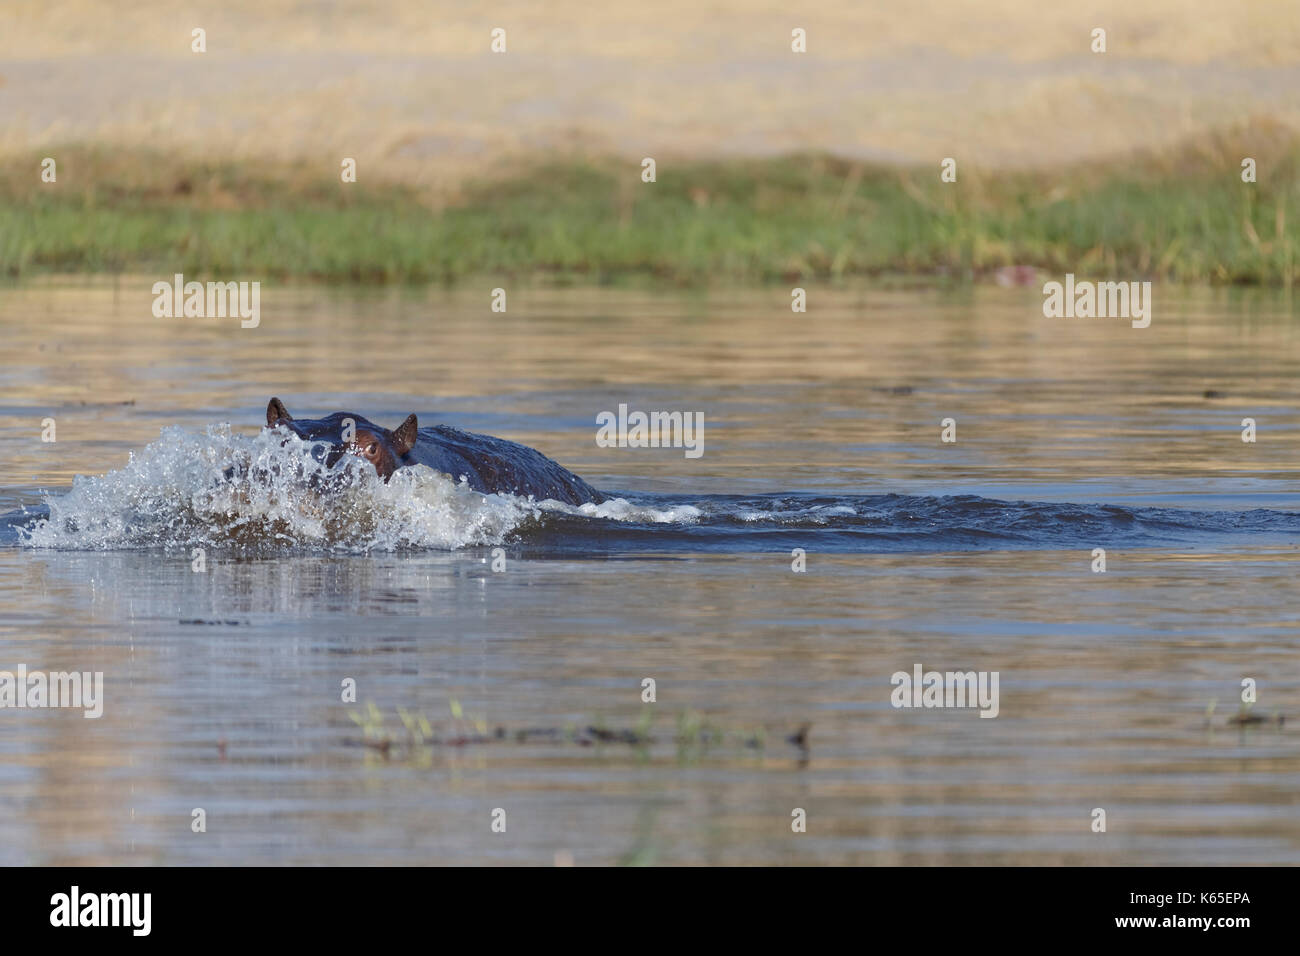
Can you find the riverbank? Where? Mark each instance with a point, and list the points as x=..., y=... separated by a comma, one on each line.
x=1180, y=215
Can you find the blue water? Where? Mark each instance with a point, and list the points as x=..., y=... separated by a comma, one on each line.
x=882, y=524
x=225, y=615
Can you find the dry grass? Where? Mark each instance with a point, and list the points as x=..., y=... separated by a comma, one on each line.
x=410, y=89
x=1245, y=32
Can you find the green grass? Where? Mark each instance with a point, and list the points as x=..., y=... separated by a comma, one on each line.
x=1184, y=216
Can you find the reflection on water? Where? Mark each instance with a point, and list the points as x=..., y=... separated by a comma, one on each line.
x=223, y=687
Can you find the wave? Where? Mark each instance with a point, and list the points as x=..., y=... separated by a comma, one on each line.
x=268, y=493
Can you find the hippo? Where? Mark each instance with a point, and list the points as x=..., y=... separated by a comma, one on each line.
x=489, y=465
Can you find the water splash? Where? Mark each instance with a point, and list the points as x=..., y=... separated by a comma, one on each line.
x=272, y=491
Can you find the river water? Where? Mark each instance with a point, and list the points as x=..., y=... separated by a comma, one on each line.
x=499, y=647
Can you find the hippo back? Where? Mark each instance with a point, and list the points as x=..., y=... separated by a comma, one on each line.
x=494, y=465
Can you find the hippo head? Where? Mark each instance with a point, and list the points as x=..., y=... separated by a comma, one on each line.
x=345, y=433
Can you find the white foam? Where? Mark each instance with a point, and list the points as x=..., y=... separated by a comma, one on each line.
x=620, y=509
x=816, y=514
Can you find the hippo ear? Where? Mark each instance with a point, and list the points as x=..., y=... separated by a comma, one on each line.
x=275, y=412
x=405, y=435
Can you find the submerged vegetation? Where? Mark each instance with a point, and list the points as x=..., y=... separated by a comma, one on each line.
x=1244, y=717
x=692, y=734
x=1185, y=215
